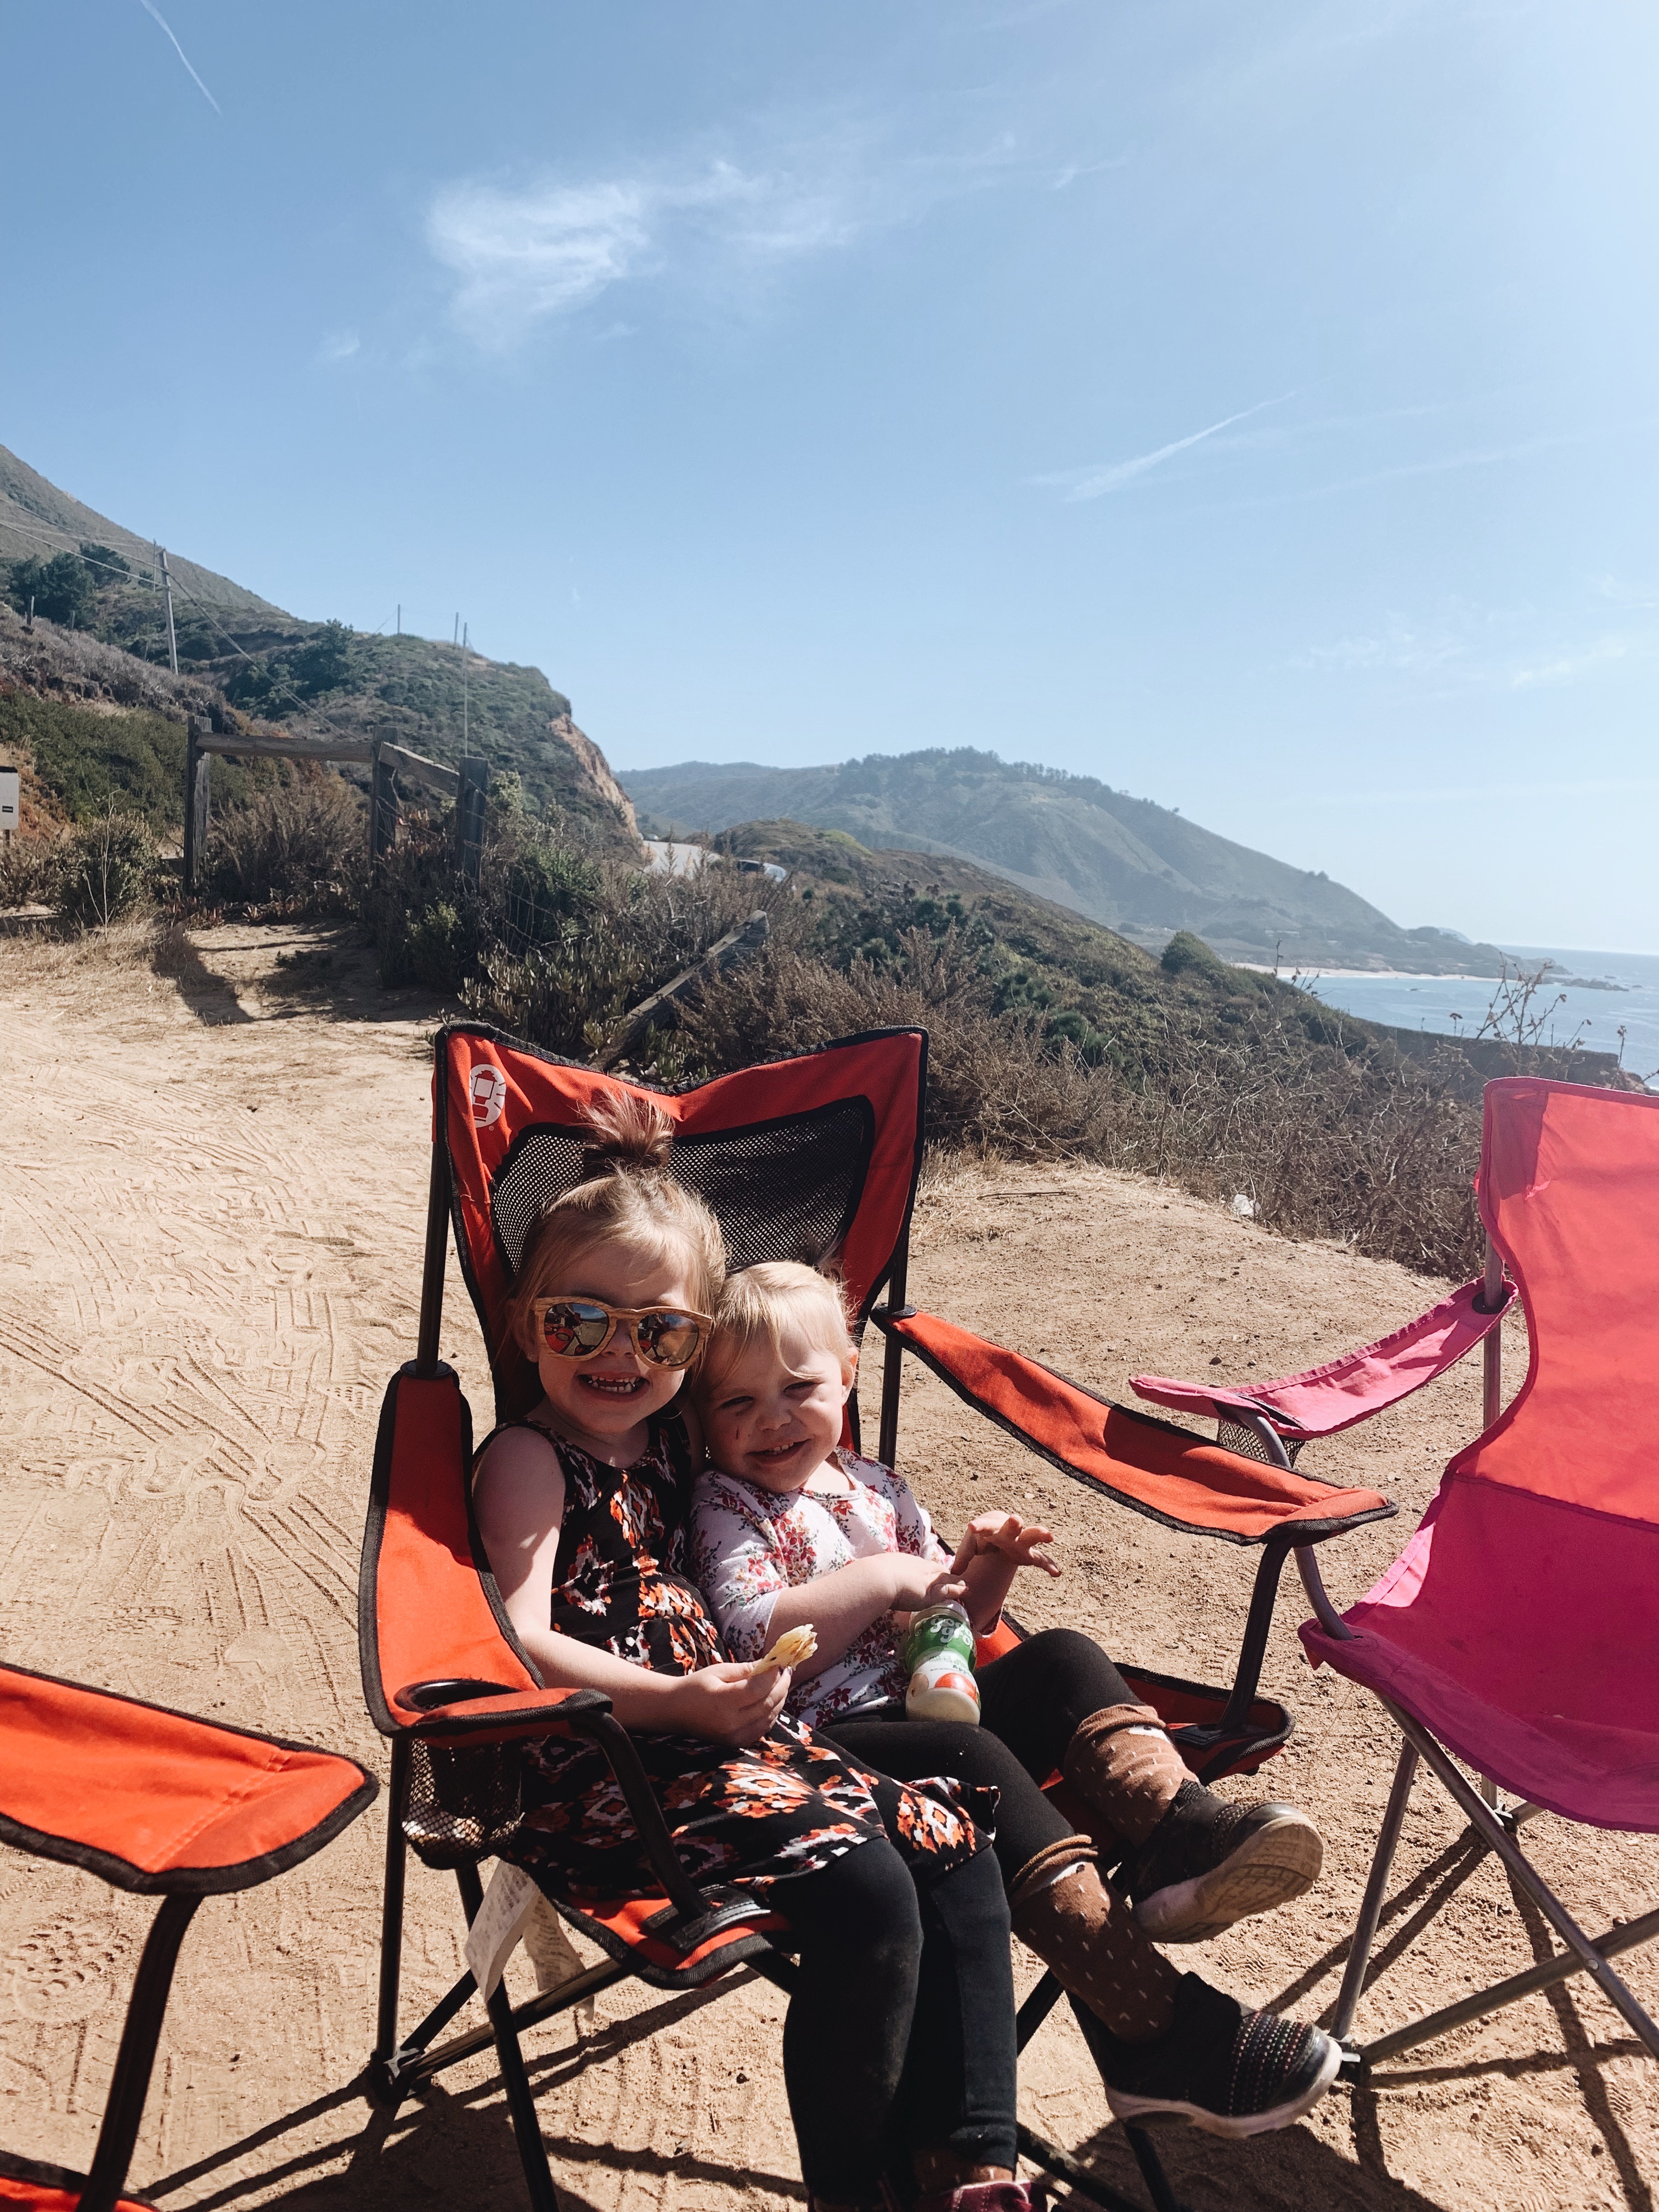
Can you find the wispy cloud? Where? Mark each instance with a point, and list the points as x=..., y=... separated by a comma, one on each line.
x=339, y=345
x=524, y=254
x=150, y=9
x=1094, y=482
x=1468, y=650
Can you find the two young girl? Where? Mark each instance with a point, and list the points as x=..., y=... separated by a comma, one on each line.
x=899, y=2042
x=898, y=2046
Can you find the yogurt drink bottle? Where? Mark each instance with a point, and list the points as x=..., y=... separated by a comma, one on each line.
x=938, y=1652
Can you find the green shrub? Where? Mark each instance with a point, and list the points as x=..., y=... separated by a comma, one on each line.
x=302, y=843
x=132, y=762
x=1184, y=953
x=102, y=872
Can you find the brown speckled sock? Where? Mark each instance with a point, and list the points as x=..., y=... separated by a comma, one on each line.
x=1091, y=1942
x=1121, y=1762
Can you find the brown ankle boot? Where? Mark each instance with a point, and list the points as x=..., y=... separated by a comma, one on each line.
x=1091, y=1941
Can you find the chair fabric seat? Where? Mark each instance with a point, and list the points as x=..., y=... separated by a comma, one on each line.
x=29, y=2185
x=1519, y=1629
x=154, y=1801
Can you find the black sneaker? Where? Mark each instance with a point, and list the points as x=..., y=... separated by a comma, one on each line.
x=1228, y=2071
x=1209, y=1862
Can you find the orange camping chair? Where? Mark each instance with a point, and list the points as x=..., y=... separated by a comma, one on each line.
x=155, y=1802
x=808, y=1159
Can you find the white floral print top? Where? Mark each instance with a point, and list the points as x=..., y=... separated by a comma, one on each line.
x=747, y=1544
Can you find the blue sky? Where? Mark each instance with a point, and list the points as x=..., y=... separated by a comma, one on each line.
x=1253, y=407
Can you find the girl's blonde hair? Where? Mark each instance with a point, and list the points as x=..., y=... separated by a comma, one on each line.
x=627, y=1196
x=760, y=1303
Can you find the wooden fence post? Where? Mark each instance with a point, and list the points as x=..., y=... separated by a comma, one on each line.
x=382, y=807
x=469, y=802
x=198, y=768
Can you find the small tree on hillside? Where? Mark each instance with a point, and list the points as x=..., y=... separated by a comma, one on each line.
x=61, y=588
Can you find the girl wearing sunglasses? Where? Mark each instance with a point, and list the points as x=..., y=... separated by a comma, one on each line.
x=898, y=2046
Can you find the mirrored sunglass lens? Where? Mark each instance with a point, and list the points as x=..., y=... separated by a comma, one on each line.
x=572, y=1329
x=669, y=1338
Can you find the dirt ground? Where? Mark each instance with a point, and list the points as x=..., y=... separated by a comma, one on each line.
x=213, y=1184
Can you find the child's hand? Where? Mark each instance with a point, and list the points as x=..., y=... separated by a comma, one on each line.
x=728, y=1703
x=1016, y=1539
x=916, y=1582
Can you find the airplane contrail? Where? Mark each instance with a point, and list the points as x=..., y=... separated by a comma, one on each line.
x=1089, y=484
x=150, y=9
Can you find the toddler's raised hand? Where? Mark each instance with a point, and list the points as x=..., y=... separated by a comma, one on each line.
x=1017, y=1540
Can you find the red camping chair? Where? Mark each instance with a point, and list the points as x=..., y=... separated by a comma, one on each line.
x=157, y=1803
x=804, y=1159
x=1518, y=1632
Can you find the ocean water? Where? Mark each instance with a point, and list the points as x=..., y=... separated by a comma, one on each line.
x=1589, y=1017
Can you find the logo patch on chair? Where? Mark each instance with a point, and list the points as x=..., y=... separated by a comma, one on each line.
x=488, y=1089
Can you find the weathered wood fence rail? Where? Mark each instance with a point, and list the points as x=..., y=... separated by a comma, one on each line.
x=468, y=784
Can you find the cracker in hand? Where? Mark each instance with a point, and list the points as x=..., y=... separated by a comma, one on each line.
x=790, y=1648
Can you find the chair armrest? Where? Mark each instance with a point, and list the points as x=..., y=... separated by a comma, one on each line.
x=1151, y=1466
x=449, y=1712
x=1351, y=1388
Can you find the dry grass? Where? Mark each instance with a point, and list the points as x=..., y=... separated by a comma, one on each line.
x=1365, y=1148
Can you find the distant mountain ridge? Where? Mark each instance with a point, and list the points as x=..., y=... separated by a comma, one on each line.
x=1141, y=869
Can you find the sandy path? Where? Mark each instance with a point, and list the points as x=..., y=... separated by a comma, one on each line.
x=212, y=1209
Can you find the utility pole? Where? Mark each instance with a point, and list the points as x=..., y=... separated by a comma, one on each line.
x=464, y=732
x=458, y=629
x=166, y=585
x=400, y=617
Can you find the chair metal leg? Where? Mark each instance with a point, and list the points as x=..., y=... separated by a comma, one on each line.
x=392, y=1907
x=1364, y=1933
x=1151, y=2170
x=526, y=2129
x=1628, y=1935
x=136, y=2059
x=1496, y=1832
x=1060, y=2163
x=1087, y=2183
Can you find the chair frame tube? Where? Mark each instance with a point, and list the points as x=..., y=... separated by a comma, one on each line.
x=135, y=2061
x=1496, y=1829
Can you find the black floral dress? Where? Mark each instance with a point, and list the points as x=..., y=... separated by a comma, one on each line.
x=786, y=1805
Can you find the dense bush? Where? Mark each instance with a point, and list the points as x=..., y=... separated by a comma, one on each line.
x=62, y=590
x=302, y=844
x=91, y=761
x=100, y=872
x=1226, y=1083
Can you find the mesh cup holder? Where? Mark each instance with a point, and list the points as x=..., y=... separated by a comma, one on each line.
x=462, y=1805
x=1233, y=1436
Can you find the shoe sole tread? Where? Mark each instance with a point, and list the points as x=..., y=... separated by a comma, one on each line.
x=1273, y=1864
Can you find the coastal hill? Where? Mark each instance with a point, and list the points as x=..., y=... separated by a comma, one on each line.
x=1143, y=870
x=242, y=657
x=38, y=520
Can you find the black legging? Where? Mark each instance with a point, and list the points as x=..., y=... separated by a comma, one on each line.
x=900, y=2033
x=1030, y=1702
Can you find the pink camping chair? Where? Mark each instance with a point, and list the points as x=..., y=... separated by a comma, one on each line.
x=1518, y=1632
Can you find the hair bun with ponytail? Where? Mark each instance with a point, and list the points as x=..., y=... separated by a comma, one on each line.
x=631, y=1134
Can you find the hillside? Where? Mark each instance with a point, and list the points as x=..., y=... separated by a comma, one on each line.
x=247, y=664
x=1141, y=869
x=37, y=521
